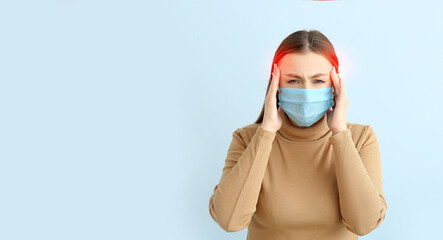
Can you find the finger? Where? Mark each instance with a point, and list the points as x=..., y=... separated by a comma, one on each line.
x=335, y=81
x=332, y=79
x=277, y=73
x=276, y=77
x=273, y=83
x=271, y=96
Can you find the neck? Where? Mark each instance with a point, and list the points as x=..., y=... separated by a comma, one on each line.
x=291, y=131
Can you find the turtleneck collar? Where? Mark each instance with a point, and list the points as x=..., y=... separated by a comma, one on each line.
x=291, y=131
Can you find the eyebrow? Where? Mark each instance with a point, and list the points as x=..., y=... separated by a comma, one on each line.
x=312, y=76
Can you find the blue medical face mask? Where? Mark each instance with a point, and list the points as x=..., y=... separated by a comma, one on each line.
x=305, y=106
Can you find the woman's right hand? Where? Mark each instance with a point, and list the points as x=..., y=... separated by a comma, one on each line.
x=272, y=119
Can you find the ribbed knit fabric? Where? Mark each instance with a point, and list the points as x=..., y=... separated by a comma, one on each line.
x=301, y=183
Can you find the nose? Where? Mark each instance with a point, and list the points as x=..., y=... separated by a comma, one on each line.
x=308, y=85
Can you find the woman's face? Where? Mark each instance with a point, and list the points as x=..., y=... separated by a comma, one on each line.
x=308, y=70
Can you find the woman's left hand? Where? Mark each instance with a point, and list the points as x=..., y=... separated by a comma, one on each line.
x=337, y=114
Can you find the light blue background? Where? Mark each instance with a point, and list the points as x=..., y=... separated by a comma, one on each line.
x=116, y=116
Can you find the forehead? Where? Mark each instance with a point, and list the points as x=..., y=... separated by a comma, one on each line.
x=308, y=63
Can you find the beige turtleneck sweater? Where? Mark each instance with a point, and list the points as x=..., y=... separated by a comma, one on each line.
x=301, y=183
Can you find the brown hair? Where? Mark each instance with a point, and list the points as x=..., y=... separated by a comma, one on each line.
x=302, y=42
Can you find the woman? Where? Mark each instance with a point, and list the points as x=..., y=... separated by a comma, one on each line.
x=301, y=171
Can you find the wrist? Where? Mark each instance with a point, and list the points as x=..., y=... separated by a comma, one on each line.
x=269, y=129
x=338, y=131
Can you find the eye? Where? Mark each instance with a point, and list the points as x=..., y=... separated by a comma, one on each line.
x=292, y=81
x=320, y=81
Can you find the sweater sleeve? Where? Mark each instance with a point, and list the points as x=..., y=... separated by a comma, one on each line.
x=235, y=197
x=359, y=179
